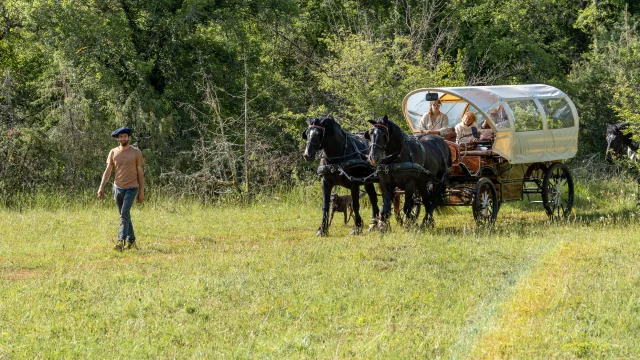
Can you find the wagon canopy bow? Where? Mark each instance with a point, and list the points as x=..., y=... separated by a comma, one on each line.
x=532, y=123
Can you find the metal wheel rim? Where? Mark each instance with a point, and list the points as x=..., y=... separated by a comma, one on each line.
x=559, y=194
x=485, y=202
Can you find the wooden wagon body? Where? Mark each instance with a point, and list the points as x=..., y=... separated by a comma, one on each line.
x=532, y=130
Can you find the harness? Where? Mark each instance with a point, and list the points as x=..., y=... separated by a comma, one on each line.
x=411, y=166
x=341, y=167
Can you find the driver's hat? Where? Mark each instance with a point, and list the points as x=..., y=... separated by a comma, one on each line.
x=122, y=130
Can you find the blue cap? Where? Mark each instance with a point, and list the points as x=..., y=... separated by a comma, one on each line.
x=122, y=130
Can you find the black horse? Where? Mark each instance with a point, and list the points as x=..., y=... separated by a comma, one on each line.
x=344, y=163
x=619, y=139
x=410, y=163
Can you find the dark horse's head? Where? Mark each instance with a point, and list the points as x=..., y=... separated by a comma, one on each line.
x=617, y=138
x=379, y=136
x=315, y=135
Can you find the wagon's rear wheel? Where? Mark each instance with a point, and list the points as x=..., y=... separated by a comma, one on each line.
x=557, y=191
x=485, y=203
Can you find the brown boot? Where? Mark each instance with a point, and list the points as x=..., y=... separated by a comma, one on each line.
x=119, y=245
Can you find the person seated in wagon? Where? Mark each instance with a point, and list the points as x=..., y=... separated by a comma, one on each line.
x=433, y=121
x=466, y=129
x=499, y=117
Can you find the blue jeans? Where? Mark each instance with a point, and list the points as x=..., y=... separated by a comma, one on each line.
x=124, y=199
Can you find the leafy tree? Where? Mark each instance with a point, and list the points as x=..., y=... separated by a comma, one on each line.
x=369, y=78
x=604, y=83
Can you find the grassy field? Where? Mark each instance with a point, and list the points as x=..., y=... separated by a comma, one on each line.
x=255, y=282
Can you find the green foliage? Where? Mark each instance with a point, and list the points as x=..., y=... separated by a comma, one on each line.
x=558, y=112
x=29, y=161
x=369, y=77
x=181, y=72
x=627, y=75
x=604, y=83
x=526, y=115
x=520, y=41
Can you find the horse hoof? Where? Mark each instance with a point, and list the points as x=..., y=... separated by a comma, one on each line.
x=427, y=225
x=322, y=233
x=384, y=226
x=373, y=225
x=357, y=231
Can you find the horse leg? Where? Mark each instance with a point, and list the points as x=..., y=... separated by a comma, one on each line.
x=429, y=206
x=326, y=204
x=387, y=197
x=408, y=204
x=396, y=208
x=333, y=211
x=373, y=199
x=429, y=221
x=355, y=208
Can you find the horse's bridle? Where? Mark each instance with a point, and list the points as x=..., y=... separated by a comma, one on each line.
x=386, y=132
x=311, y=127
x=382, y=148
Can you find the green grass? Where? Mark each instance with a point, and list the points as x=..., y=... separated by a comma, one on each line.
x=255, y=282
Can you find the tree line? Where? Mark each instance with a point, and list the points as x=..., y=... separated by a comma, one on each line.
x=217, y=91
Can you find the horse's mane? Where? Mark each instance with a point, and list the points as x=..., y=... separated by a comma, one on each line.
x=394, y=129
x=332, y=125
x=328, y=122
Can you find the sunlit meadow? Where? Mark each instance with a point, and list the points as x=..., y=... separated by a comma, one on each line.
x=253, y=281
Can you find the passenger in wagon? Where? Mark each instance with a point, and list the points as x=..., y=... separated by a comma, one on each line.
x=434, y=122
x=499, y=117
x=464, y=130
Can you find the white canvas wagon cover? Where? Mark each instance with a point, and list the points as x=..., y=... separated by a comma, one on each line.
x=532, y=123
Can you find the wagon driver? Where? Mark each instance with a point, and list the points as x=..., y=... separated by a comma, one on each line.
x=434, y=122
x=127, y=186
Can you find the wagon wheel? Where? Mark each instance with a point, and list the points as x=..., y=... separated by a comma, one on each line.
x=485, y=203
x=557, y=191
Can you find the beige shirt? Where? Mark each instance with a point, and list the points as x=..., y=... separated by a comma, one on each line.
x=441, y=123
x=464, y=131
x=126, y=165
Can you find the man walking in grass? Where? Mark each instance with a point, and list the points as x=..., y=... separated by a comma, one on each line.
x=129, y=181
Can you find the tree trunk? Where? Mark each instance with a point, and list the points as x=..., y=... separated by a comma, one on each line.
x=246, y=127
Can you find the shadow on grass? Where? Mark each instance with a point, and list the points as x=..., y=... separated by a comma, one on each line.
x=529, y=220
